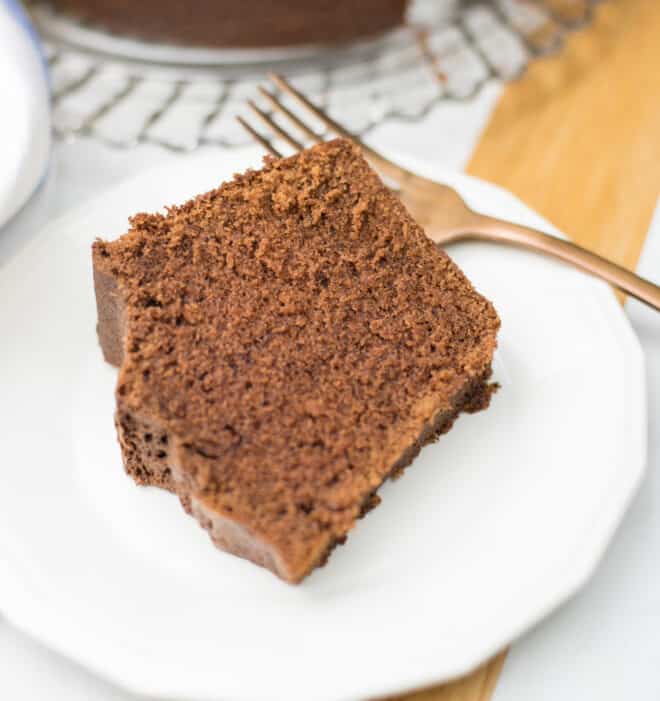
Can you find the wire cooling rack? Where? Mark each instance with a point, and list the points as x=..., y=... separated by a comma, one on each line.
x=125, y=93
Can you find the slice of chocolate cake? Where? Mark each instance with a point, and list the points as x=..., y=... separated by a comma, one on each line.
x=286, y=343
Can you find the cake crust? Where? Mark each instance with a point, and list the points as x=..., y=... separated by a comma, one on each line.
x=250, y=23
x=286, y=343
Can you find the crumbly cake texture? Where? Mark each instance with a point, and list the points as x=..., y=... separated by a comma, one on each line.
x=249, y=23
x=286, y=342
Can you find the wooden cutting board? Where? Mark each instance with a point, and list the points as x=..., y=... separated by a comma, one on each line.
x=578, y=139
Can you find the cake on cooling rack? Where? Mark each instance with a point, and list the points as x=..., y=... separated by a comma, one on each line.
x=249, y=23
x=286, y=343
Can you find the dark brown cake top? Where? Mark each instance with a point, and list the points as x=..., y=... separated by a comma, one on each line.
x=241, y=24
x=294, y=329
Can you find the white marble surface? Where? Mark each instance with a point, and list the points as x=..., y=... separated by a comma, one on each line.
x=603, y=645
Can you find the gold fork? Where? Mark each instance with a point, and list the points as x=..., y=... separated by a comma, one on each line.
x=439, y=208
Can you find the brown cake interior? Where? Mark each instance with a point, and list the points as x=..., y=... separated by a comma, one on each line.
x=286, y=342
x=249, y=23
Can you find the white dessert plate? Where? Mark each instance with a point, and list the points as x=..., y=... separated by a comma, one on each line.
x=488, y=531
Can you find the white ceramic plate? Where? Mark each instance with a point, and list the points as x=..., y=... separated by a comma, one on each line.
x=24, y=111
x=492, y=528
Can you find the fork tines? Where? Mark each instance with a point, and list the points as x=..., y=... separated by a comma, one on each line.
x=386, y=167
x=290, y=117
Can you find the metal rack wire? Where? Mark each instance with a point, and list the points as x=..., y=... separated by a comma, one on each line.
x=126, y=93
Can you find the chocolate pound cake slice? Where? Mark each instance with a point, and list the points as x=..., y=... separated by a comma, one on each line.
x=285, y=343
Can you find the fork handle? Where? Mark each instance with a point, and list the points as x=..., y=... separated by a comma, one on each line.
x=491, y=229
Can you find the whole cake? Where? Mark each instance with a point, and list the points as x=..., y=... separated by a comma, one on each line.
x=249, y=23
x=286, y=343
